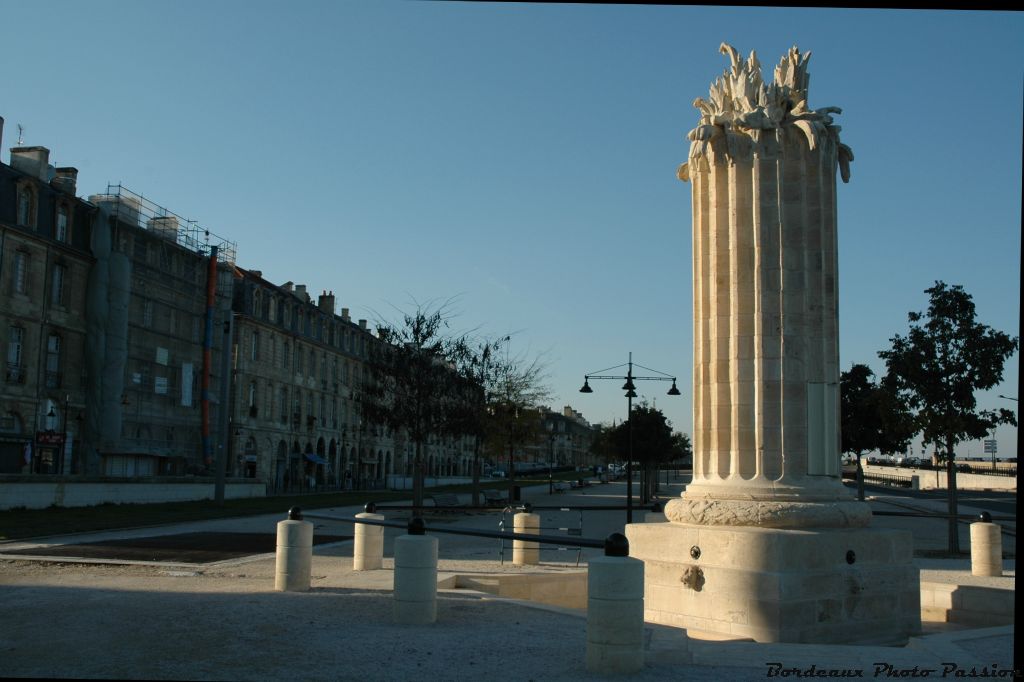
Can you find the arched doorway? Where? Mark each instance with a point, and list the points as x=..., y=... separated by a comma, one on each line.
x=280, y=465
x=250, y=457
x=333, y=470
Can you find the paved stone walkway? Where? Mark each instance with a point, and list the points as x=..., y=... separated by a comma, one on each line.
x=224, y=620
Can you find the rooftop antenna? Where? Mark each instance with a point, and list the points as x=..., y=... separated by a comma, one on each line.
x=21, y=137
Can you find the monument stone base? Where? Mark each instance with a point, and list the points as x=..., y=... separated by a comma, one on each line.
x=842, y=586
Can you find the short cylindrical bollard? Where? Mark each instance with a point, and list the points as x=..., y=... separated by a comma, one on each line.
x=415, y=576
x=294, y=553
x=525, y=552
x=615, y=610
x=986, y=547
x=368, y=552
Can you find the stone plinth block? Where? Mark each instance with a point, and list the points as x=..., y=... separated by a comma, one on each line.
x=368, y=552
x=615, y=615
x=415, y=579
x=524, y=552
x=843, y=586
x=986, y=549
x=294, y=556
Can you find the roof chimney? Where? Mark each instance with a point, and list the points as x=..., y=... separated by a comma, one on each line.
x=32, y=160
x=326, y=302
x=1, y=132
x=66, y=180
x=300, y=291
x=362, y=324
x=288, y=286
x=345, y=316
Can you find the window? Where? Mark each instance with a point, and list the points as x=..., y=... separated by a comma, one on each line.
x=196, y=324
x=299, y=359
x=253, y=397
x=273, y=309
x=57, y=284
x=15, y=341
x=60, y=232
x=286, y=356
x=26, y=205
x=257, y=305
x=283, y=404
x=147, y=313
x=254, y=349
x=53, y=361
x=334, y=413
x=20, y=275
x=269, y=410
x=312, y=363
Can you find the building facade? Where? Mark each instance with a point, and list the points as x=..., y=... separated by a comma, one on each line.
x=44, y=263
x=136, y=347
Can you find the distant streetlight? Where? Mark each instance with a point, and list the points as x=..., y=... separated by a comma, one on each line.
x=630, y=388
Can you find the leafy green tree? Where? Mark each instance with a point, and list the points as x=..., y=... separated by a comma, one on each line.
x=872, y=418
x=936, y=369
x=654, y=443
x=412, y=386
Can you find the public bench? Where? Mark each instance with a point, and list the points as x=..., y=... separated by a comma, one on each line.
x=446, y=500
x=494, y=498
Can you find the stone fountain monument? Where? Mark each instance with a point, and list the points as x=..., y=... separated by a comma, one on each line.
x=766, y=543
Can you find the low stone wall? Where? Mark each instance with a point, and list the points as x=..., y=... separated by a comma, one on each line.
x=935, y=479
x=43, y=492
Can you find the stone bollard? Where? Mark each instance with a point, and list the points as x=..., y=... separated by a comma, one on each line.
x=416, y=576
x=523, y=551
x=615, y=610
x=986, y=547
x=294, y=553
x=368, y=552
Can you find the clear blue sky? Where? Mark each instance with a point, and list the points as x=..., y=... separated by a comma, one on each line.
x=523, y=157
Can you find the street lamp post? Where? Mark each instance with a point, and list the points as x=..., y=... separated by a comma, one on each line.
x=551, y=457
x=630, y=388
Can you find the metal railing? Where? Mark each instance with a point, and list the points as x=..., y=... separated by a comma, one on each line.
x=296, y=513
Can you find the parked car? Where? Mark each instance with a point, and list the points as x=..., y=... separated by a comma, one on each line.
x=497, y=473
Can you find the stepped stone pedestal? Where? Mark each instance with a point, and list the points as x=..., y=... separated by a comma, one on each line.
x=766, y=542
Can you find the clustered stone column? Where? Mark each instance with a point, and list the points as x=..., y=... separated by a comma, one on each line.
x=766, y=351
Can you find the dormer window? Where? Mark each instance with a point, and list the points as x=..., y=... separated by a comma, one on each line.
x=60, y=232
x=26, y=205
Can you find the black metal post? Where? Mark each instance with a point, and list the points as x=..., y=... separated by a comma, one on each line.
x=629, y=462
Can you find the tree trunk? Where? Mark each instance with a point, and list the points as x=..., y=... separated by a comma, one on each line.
x=476, y=472
x=417, y=480
x=860, y=479
x=954, y=523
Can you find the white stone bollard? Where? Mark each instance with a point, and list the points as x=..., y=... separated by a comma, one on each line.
x=615, y=614
x=294, y=553
x=986, y=548
x=523, y=551
x=368, y=552
x=415, y=579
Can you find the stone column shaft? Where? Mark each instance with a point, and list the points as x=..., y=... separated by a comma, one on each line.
x=766, y=352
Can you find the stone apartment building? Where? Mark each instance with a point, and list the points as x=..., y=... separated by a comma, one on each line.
x=44, y=263
x=295, y=413
x=115, y=314
x=158, y=296
x=297, y=368
x=567, y=438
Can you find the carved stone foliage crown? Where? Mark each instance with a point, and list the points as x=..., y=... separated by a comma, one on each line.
x=750, y=114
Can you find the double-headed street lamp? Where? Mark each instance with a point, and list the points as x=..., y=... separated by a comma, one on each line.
x=630, y=388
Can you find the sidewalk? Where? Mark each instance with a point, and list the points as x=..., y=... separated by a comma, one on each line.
x=224, y=621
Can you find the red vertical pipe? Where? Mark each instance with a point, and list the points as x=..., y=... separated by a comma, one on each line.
x=211, y=294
